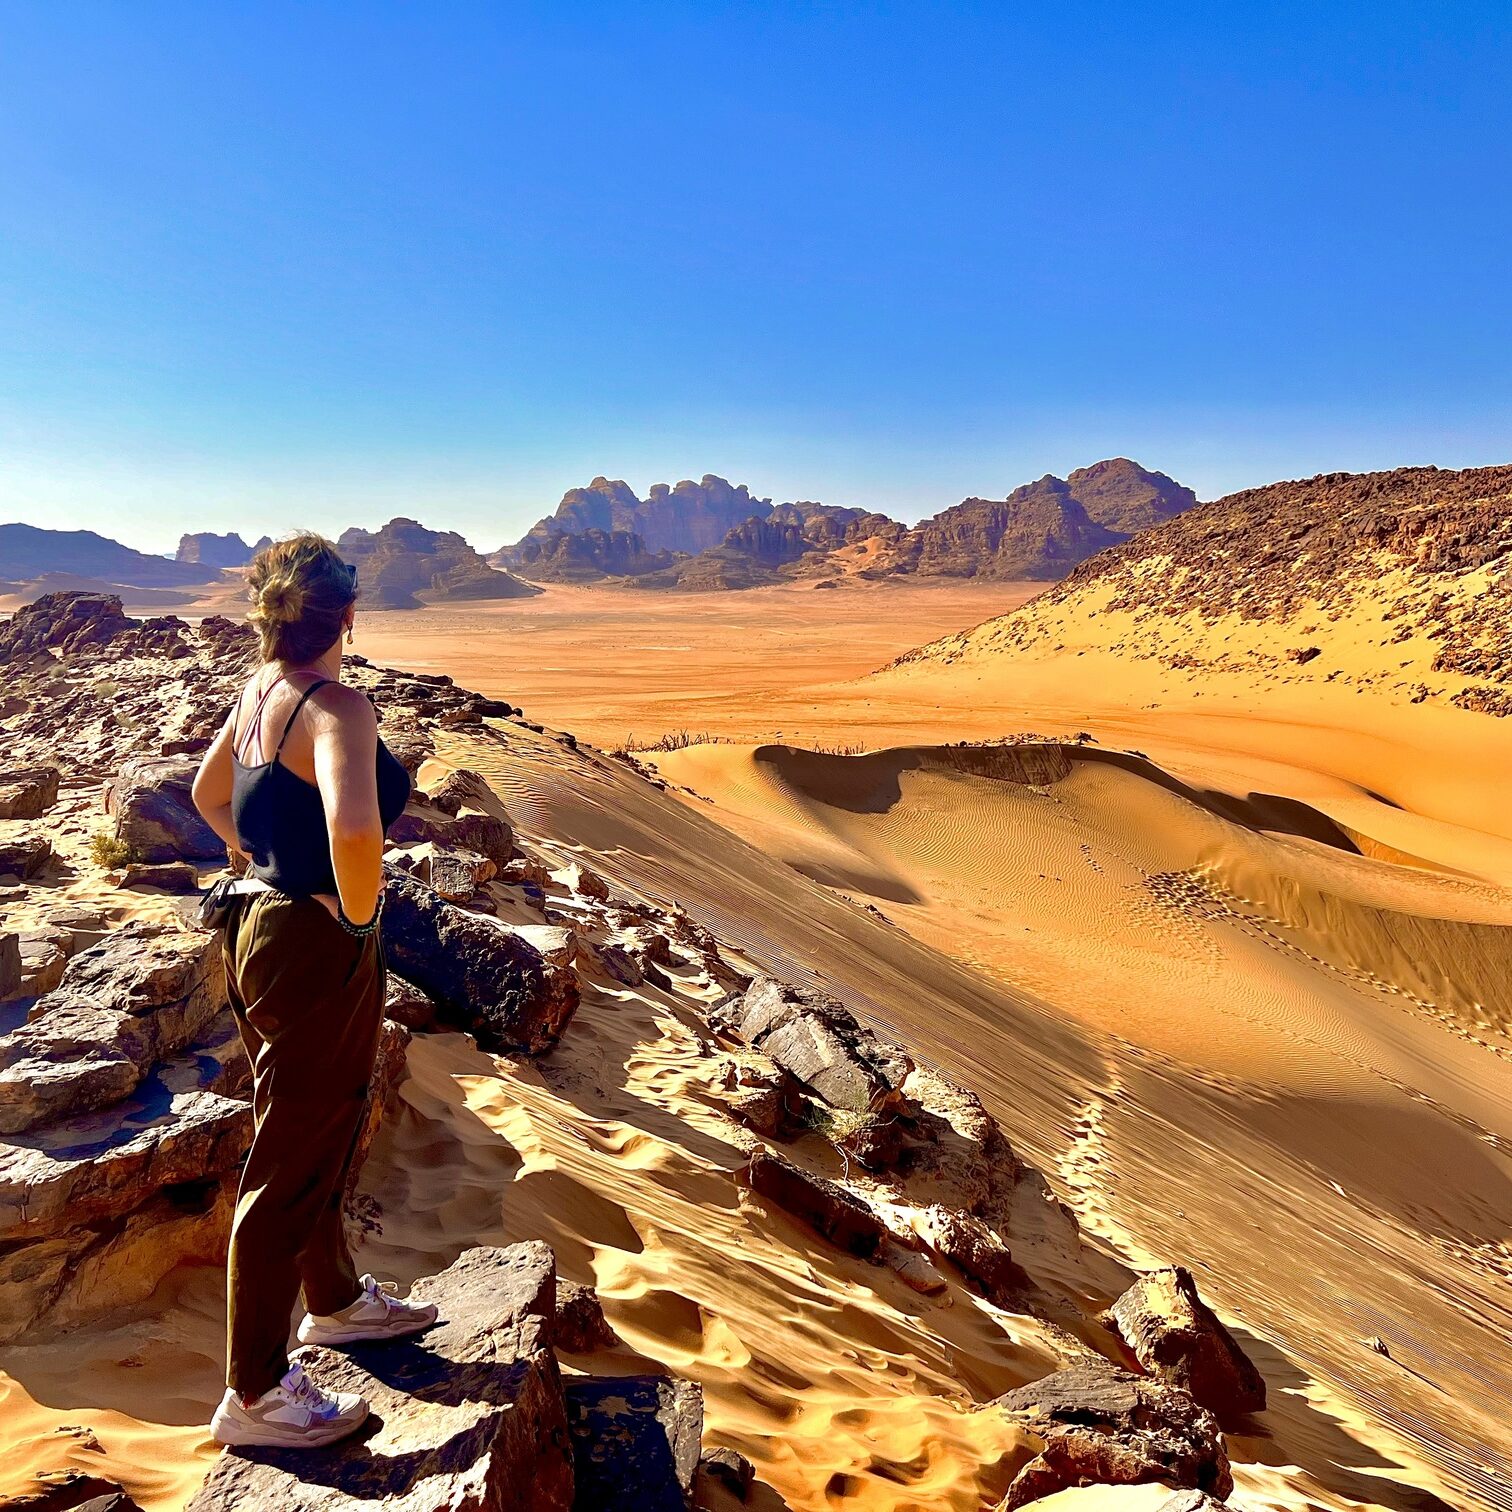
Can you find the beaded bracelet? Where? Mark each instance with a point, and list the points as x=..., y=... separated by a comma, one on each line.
x=360, y=929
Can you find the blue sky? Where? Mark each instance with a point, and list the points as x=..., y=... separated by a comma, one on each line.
x=264, y=265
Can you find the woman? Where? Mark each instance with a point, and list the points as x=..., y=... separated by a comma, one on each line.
x=299, y=784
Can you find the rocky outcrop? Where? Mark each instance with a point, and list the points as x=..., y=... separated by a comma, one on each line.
x=685, y=517
x=24, y=854
x=402, y=563
x=155, y=818
x=469, y=1417
x=483, y=975
x=484, y=834
x=1175, y=1335
x=586, y=556
x=62, y=622
x=97, y=1207
x=207, y=549
x=580, y=1326
x=27, y=792
x=121, y=1007
x=1103, y=1426
x=635, y=1442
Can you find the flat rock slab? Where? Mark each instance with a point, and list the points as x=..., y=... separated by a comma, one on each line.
x=466, y=1418
x=636, y=1442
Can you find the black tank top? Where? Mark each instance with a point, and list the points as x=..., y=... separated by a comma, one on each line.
x=280, y=818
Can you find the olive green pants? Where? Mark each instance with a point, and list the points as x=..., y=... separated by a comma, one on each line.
x=308, y=999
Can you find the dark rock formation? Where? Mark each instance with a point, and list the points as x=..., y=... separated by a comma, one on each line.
x=168, y=876
x=1124, y=497
x=152, y=804
x=24, y=855
x=483, y=976
x=1103, y=1426
x=207, y=549
x=635, y=1440
x=485, y=834
x=402, y=561
x=586, y=556
x=1175, y=1335
x=469, y=1417
x=11, y=971
x=580, y=1326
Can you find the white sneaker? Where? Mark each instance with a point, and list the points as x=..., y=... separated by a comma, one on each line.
x=295, y=1414
x=379, y=1313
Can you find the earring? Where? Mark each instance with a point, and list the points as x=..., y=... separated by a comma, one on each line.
x=349, y=635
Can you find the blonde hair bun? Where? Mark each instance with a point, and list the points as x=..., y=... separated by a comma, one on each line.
x=300, y=593
x=280, y=601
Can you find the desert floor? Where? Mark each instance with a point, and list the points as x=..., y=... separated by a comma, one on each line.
x=1233, y=975
x=1281, y=922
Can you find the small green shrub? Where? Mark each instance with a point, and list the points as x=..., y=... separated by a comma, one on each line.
x=108, y=851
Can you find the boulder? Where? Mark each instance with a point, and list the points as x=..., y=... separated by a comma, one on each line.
x=728, y=1469
x=409, y=1006
x=135, y=998
x=44, y=955
x=580, y=1326
x=12, y=973
x=816, y=1039
x=582, y=883
x=461, y=789
x=1175, y=1335
x=976, y=1250
x=824, y=1205
x=455, y=874
x=169, y=876
x=24, y=855
x=468, y=1417
x=73, y=1491
x=635, y=1440
x=1103, y=1426
x=486, y=834
x=482, y=974
x=155, y=815
x=27, y=792
x=66, y=622
x=761, y=1095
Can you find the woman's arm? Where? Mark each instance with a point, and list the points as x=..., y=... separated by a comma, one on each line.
x=345, y=734
x=212, y=789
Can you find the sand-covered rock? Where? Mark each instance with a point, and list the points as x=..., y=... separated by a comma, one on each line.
x=825, y=1206
x=1103, y=1426
x=1175, y=1335
x=134, y=999
x=468, y=1417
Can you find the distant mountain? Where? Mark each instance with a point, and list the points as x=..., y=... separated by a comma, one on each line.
x=403, y=565
x=1039, y=531
x=686, y=516
x=28, y=552
x=587, y=555
x=218, y=550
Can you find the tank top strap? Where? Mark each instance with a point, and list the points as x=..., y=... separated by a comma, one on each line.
x=294, y=713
